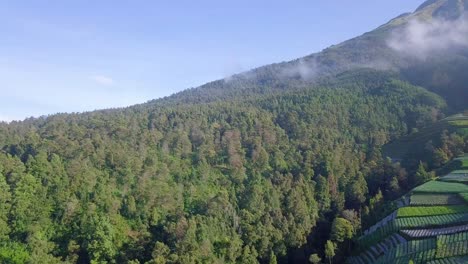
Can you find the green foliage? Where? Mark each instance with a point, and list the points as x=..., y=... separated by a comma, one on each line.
x=207, y=175
x=341, y=230
x=13, y=253
x=314, y=259
x=329, y=250
x=5, y=205
x=422, y=175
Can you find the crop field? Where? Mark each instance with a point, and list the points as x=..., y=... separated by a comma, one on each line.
x=431, y=221
x=421, y=251
x=454, y=260
x=423, y=233
x=413, y=211
x=446, y=239
x=411, y=223
x=453, y=249
x=455, y=177
x=436, y=199
x=441, y=187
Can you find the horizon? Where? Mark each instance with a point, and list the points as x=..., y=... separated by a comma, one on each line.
x=71, y=58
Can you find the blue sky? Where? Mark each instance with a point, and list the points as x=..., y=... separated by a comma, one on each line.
x=73, y=56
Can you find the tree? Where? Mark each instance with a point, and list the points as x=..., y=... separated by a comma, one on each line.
x=160, y=253
x=341, y=230
x=5, y=205
x=273, y=258
x=314, y=259
x=329, y=250
x=422, y=175
x=323, y=193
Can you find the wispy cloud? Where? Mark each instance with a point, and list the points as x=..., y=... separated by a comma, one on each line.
x=103, y=80
x=420, y=39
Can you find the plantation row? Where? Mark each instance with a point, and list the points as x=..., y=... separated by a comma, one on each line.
x=436, y=199
x=441, y=187
x=422, y=233
x=447, y=239
x=414, y=211
x=451, y=250
x=420, y=250
x=428, y=221
x=408, y=223
x=454, y=260
x=418, y=257
x=455, y=177
x=378, y=249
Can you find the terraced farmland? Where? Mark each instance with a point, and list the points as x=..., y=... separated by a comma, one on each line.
x=431, y=226
x=441, y=187
x=456, y=176
x=436, y=199
x=413, y=211
x=424, y=233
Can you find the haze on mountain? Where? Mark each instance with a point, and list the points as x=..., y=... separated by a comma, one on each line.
x=280, y=164
x=427, y=48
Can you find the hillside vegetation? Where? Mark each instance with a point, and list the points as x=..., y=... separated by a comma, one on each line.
x=422, y=230
x=228, y=182
x=269, y=166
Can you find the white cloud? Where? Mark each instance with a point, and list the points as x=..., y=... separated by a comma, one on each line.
x=103, y=80
x=420, y=39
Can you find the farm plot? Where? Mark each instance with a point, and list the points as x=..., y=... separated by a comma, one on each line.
x=441, y=187
x=413, y=211
x=379, y=249
x=430, y=221
x=421, y=250
x=447, y=239
x=456, y=176
x=410, y=223
x=378, y=235
x=422, y=233
x=454, y=260
x=459, y=248
x=436, y=199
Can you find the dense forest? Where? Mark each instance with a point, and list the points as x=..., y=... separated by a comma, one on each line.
x=221, y=182
x=265, y=167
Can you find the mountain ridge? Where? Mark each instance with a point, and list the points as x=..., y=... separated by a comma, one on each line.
x=369, y=50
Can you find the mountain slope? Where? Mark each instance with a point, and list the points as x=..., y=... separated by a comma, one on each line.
x=421, y=60
x=259, y=167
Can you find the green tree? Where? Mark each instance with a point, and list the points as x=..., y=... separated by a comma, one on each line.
x=314, y=259
x=421, y=176
x=341, y=229
x=329, y=250
x=272, y=258
x=323, y=193
x=5, y=205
